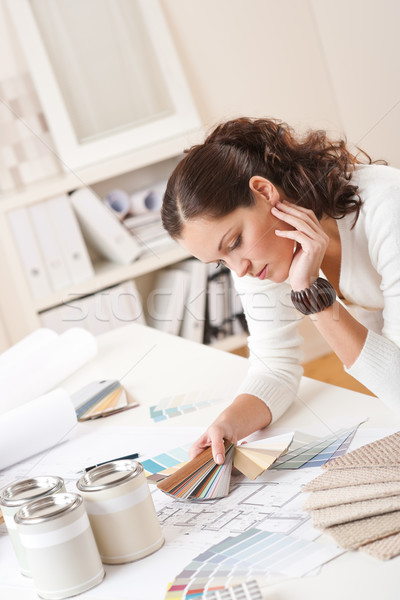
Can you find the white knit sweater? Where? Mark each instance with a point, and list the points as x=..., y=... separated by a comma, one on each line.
x=369, y=279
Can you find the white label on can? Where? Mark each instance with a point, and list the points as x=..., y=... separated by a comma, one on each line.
x=113, y=505
x=58, y=536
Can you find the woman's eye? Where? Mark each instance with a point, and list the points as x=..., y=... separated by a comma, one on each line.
x=236, y=243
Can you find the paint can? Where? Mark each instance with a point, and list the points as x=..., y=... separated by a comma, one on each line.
x=14, y=496
x=60, y=546
x=121, y=511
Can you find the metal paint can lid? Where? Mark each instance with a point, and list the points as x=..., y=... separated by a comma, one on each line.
x=48, y=508
x=109, y=475
x=25, y=490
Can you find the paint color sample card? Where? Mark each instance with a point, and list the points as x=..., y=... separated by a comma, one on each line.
x=251, y=555
x=162, y=465
x=180, y=404
x=244, y=591
x=317, y=453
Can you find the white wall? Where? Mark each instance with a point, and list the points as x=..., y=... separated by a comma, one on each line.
x=361, y=44
x=314, y=63
x=12, y=61
x=258, y=57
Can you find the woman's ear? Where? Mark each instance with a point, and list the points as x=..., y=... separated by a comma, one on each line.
x=262, y=187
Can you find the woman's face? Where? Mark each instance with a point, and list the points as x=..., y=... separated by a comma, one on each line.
x=244, y=240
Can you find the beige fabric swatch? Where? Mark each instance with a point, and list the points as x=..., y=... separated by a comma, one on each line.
x=385, y=452
x=343, y=513
x=384, y=549
x=353, y=535
x=336, y=478
x=353, y=493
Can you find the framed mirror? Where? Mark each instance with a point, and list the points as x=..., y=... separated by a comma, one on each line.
x=107, y=74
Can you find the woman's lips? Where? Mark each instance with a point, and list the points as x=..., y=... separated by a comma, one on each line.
x=262, y=273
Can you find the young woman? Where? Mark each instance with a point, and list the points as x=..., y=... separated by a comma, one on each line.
x=304, y=226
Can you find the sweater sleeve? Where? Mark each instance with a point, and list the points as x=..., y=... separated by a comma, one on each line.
x=274, y=343
x=378, y=365
x=378, y=368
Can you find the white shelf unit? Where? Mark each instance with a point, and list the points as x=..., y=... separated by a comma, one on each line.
x=137, y=170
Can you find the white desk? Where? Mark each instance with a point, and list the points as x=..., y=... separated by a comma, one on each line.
x=152, y=365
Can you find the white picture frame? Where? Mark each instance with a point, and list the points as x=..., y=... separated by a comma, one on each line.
x=183, y=119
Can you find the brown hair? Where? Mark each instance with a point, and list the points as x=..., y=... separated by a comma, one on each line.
x=212, y=180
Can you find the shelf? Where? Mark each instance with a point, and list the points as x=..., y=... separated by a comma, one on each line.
x=108, y=274
x=71, y=180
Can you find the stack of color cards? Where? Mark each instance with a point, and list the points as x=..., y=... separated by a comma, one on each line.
x=357, y=499
x=202, y=479
x=310, y=451
x=252, y=555
x=101, y=399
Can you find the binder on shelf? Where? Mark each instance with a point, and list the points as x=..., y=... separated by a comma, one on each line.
x=166, y=302
x=126, y=305
x=195, y=305
x=52, y=319
x=98, y=313
x=103, y=229
x=68, y=233
x=29, y=252
x=90, y=312
x=49, y=246
x=217, y=305
x=238, y=320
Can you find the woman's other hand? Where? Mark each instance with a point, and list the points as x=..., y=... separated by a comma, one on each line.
x=311, y=242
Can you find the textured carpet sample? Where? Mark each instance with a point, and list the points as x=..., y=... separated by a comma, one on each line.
x=356, y=500
x=353, y=493
x=336, y=478
x=357, y=533
x=384, y=549
x=343, y=513
x=384, y=452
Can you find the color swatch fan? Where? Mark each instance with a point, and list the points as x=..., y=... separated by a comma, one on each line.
x=101, y=399
x=202, y=479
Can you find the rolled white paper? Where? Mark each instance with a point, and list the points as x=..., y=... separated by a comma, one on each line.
x=40, y=372
x=35, y=426
x=119, y=202
x=149, y=200
x=26, y=347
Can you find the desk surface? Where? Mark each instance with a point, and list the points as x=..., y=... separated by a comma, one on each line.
x=152, y=365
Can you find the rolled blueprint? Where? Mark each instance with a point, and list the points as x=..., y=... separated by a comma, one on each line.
x=35, y=426
x=43, y=370
x=26, y=347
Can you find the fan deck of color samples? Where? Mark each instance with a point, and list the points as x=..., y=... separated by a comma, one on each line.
x=202, y=479
x=107, y=400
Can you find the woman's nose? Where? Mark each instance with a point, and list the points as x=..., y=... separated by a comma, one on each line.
x=241, y=267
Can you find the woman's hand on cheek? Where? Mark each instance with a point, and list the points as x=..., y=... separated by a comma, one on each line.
x=214, y=437
x=311, y=242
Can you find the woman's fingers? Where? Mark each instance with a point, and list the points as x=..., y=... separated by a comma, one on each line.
x=318, y=245
x=214, y=437
x=199, y=445
x=302, y=220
